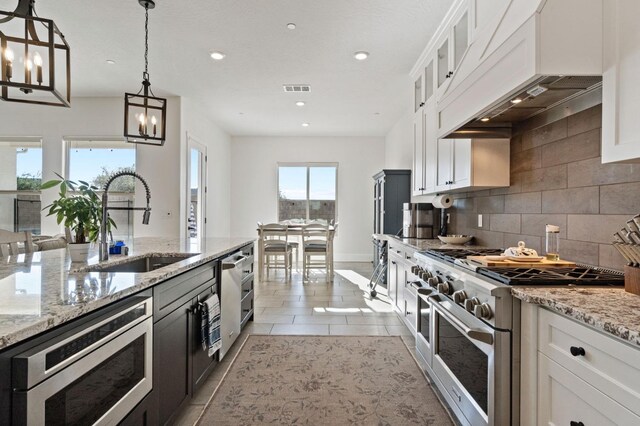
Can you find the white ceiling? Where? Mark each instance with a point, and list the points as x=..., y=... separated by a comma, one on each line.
x=262, y=55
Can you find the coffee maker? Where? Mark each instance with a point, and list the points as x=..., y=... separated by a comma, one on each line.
x=419, y=220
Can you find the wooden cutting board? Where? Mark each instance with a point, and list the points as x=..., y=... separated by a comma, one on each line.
x=544, y=263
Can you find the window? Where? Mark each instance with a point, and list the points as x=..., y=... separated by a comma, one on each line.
x=93, y=161
x=20, y=180
x=307, y=191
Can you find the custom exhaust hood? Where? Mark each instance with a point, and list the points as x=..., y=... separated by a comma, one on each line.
x=537, y=100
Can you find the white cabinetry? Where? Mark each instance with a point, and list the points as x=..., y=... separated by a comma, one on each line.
x=424, y=131
x=620, y=88
x=451, y=47
x=573, y=373
x=472, y=163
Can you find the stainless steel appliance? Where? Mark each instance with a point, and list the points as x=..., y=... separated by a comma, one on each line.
x=234, y=269
x=469, y=328
x=419, y=220
x=94, y=374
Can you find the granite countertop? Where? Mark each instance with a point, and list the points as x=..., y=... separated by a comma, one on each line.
x=42, y=290
x=610, y=310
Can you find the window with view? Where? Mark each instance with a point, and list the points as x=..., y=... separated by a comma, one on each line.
x=94, y=161
x=20, y=180
x=307, y=191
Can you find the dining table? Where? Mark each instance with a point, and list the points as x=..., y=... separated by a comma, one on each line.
x=295, y=227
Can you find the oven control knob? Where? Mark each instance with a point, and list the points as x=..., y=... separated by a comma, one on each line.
x=483, y=311
x=415, y=270
x=444, y=288
x=470, y=304
x=425, y=275
x=433, y=282
x=459, y=296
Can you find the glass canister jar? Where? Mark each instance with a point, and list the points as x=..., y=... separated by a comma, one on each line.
x=552, y=245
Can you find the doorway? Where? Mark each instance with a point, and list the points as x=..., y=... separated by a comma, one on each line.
x=196, y=203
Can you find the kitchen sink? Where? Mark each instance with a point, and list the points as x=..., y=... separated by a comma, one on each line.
x=143, y=264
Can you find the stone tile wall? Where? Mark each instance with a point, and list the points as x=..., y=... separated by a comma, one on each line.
x=557, y=178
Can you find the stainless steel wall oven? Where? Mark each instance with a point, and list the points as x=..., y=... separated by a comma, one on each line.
x=472, y=361
x=93, y=374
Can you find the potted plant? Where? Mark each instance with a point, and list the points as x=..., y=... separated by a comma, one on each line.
x=79, y=207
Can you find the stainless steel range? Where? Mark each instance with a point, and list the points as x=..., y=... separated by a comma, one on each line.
x=468, y=328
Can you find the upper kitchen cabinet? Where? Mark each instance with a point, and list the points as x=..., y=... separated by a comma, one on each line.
x=472, y=164
x=512, y=44
x=424, y=131
x=620, y=89
x=451, y=48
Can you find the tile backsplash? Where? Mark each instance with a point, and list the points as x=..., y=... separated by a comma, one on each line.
x=556, y=178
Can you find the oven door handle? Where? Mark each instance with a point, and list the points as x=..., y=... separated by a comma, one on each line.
x=472, y=333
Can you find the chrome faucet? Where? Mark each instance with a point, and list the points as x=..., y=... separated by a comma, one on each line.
x=104, y=245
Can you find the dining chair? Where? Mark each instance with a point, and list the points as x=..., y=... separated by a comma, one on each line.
x=274, y=245
x=316, y=250
x=9, y=242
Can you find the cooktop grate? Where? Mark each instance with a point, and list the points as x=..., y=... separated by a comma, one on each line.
x=449, y=255
x=581, y=275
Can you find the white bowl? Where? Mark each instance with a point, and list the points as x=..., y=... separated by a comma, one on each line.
x=455, y=239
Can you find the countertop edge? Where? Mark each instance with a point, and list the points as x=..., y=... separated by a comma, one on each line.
x=616, y=329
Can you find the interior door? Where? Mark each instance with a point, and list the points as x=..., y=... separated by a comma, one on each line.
x=196, y=205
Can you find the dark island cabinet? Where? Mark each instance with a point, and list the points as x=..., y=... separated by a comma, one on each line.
x=180, y=363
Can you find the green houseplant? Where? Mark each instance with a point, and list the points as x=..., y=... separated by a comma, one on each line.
x=79, y=208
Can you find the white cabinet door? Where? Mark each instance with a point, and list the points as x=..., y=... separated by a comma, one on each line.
x=430, y=158
x=418, y=185
x=443, y=65
x=564, y=399
x=444, y=165
x=620, y=88
x=461, y=174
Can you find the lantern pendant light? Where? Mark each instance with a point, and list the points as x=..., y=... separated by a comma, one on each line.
x=35, y=67
x=145, y=115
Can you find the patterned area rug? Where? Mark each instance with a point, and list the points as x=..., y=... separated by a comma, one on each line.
x=324, y=380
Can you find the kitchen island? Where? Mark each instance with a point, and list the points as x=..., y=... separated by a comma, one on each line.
x=126, y=335
x=42, y=290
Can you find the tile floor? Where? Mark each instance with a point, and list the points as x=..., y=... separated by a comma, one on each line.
x=343, y=307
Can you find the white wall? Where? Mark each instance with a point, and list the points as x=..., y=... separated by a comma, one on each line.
x=103, y=117
x=197, y=126
x=398, y=144
x=254, y=184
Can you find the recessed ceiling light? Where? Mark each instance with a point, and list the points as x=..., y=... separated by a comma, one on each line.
x=241, y=113
x=300, y=103
x=485, y=119
x=111, y=61
x=291, y=26
x=305, y=124
x=361, y=55
x=218, y=56
x=516, y=101
x=376, y=113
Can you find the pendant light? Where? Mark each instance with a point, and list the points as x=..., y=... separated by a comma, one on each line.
x=34, y=59
x=145, y=115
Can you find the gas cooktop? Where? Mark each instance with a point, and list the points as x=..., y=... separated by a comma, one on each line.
x=450, y=255
x=577, y=275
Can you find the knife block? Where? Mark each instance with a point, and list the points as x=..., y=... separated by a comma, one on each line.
x=632, y=279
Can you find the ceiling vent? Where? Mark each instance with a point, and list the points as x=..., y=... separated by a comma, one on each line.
x=297, y=88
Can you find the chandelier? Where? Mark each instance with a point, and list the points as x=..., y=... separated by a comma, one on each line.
x=144, y=113
x=34, y=59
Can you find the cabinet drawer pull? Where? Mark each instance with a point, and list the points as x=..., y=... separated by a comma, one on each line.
x=577, y=351
x=572, y=423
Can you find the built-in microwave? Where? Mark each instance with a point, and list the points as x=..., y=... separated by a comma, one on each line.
x=94, y=374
